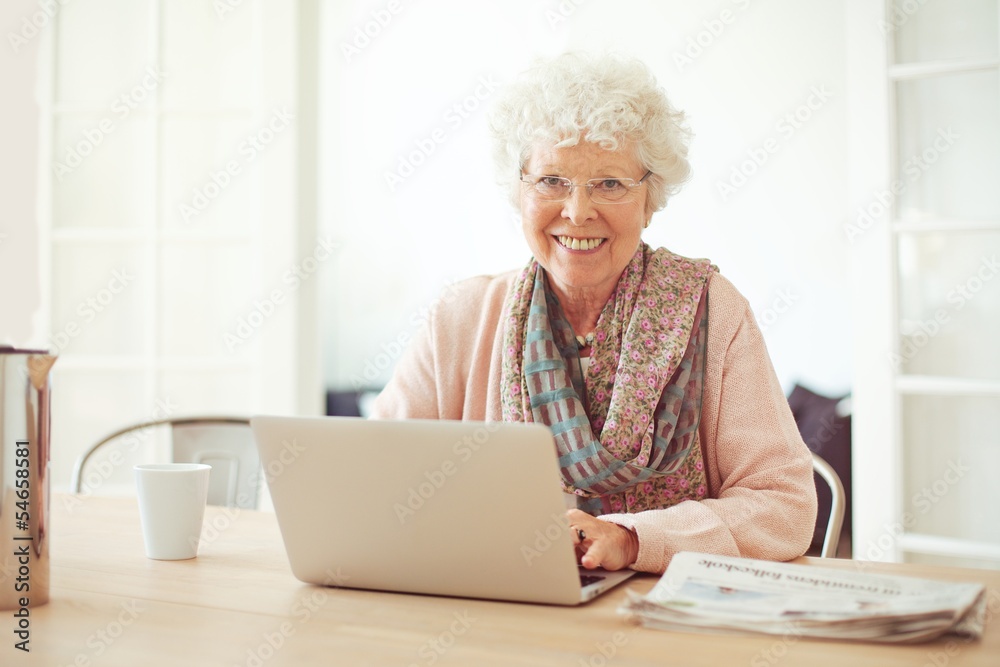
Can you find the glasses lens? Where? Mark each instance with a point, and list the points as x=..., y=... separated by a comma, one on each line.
x=609, y=190
x=551, y=187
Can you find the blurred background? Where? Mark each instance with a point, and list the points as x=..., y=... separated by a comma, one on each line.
x=245, y=206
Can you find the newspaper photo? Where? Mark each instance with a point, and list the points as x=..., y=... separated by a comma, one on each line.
x=707, y=593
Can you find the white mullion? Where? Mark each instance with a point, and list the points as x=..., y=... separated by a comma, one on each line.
x=898, y=454
x=138, y=236
x=228, y=238
x=138, y=363
x=944, y=225
x=877, y=503
x=256, y=246
x=47, y=64
x=97, y=235
x=949, y=546
x=946, y=386
x=937, y=68
x=151, y=375
x=75, y=109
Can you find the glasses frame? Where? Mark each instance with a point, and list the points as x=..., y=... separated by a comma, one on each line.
x=589, y=185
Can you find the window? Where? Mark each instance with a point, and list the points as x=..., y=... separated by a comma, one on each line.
x=171, y=214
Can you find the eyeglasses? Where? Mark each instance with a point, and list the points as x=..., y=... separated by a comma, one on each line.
x=601, y=190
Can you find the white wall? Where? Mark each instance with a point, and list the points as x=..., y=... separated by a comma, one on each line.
x=20, y=276
x=738, y=67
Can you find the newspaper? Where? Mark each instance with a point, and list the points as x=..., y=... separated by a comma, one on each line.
x=707, y=593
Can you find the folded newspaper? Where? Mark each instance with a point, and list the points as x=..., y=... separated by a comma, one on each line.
x=706, y=593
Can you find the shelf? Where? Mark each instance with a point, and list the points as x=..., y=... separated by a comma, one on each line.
x=929, y=384
x=948, y=546
x=937, y=68
x=941, y=225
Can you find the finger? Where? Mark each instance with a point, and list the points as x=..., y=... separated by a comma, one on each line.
x=592, y=557
x=603, y=551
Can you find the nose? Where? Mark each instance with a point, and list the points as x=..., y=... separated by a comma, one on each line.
x=578, y=207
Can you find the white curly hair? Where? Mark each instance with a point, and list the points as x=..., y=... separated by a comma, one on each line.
x=610, y=100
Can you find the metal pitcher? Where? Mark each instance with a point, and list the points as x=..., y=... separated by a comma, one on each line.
x=24, y=478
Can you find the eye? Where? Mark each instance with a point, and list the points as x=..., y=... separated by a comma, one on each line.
x=551, y=185
x=609, y=185
x=551, y=182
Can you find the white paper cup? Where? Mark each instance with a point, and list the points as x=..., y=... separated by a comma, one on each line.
x=171, y=507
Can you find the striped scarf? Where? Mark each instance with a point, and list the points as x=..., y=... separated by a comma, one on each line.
x=627, y=432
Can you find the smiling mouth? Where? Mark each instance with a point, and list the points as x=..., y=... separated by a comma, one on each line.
x=579, y=244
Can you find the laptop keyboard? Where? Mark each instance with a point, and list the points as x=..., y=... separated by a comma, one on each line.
x=588, y=579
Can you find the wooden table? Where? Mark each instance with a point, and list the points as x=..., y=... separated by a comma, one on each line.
x=238, y=604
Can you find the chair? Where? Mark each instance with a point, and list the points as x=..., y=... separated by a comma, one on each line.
x=225, y=443
x=837, y=505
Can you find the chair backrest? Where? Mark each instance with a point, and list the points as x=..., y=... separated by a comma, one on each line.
x=225, y=443
x=837, y=505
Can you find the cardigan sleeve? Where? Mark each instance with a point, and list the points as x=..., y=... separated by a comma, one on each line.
x=762, y=500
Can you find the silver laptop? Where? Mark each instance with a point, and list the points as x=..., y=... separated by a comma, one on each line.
x=465, y=509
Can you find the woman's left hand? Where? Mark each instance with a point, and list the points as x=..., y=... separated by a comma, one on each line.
x=604, y=544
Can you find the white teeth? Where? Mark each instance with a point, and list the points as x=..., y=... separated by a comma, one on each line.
x=580, y=244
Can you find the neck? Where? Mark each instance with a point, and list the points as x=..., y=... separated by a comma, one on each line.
x=582, y=308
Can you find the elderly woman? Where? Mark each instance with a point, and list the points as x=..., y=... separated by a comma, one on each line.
x=672, y=431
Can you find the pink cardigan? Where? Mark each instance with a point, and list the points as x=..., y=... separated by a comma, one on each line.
x=762, y=500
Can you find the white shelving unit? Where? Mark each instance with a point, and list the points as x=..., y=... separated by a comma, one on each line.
x=926, y=137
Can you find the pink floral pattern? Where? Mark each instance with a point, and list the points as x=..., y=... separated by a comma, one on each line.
x=642, y=395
